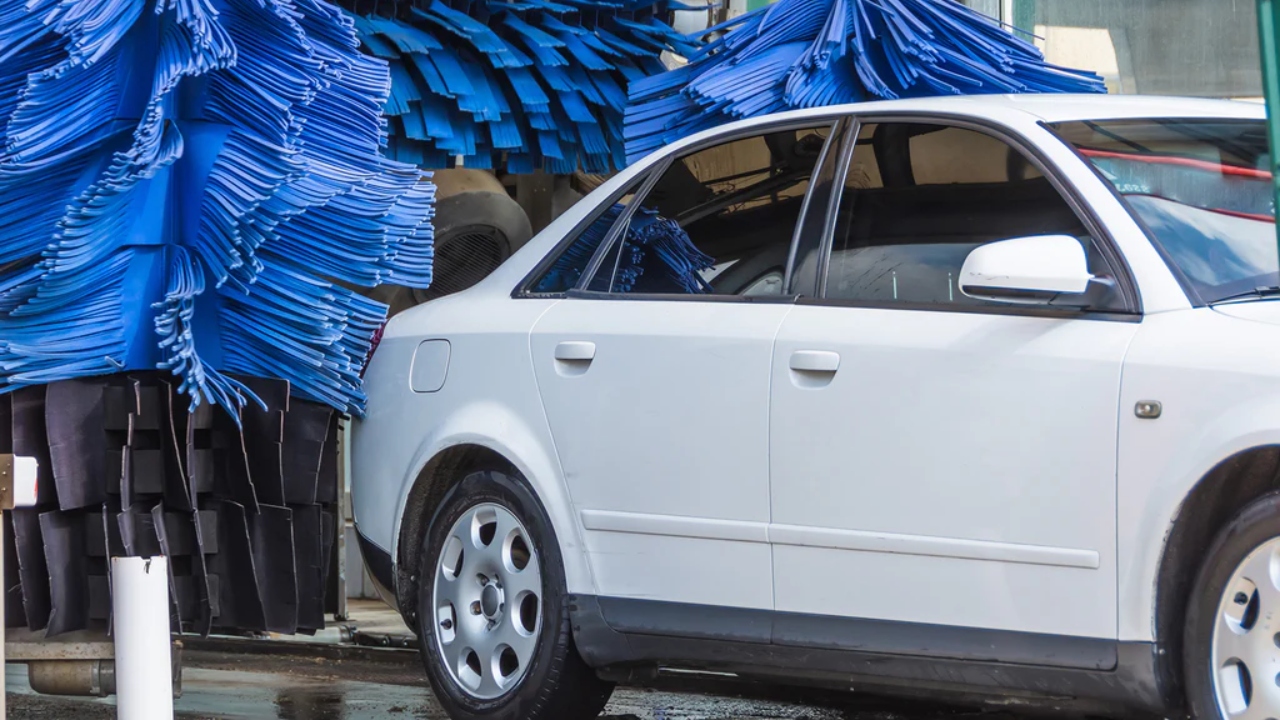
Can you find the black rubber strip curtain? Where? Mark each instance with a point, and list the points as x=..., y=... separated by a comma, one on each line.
x=245, y=513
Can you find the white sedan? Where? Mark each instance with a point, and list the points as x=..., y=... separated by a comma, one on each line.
x=971, y=396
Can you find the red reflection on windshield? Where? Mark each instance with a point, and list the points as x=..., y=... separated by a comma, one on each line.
x=1232, y=170
x=1247, y=216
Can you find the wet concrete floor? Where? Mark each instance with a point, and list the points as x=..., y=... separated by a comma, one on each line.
x=253, y=687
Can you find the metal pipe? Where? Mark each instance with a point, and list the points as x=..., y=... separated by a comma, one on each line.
x=96, y=678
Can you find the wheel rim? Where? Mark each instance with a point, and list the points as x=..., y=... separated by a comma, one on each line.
x=1246, y=646
x=487, y=601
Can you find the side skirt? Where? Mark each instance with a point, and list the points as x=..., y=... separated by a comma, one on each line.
x=622, y=636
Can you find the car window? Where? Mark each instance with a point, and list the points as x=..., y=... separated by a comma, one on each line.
x=918, y=198
x=566, y=270
x=719, y=221
x=1203, y=190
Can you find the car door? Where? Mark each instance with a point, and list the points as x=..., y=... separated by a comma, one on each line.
x=938, y=460
x=655, y=374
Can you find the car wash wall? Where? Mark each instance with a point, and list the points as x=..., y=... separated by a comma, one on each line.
x=1200, y=48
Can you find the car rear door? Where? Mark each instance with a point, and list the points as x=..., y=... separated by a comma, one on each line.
x=945, y=464
x=655, y=375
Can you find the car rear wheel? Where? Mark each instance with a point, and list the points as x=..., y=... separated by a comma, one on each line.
x=1232, y=651
x=494, y=625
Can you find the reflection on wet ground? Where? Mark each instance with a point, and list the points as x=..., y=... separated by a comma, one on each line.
x=307, y=689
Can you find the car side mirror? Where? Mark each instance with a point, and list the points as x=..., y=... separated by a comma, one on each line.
x=1027, y=271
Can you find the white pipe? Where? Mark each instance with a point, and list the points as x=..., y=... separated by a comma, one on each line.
x=140, y=608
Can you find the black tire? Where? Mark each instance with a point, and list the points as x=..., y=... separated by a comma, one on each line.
x=558, y=685
x=1253, y=526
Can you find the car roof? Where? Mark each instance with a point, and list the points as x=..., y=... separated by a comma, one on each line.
x=1054, y=107
x=1065, y=108
x=1051, y=108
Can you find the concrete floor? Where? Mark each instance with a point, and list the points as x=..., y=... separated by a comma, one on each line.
x=245, y=695
x=253, y=687
x=324, y=677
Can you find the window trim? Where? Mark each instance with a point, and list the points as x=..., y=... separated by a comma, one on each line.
x=1044, y=311
x=646, y=181
x=842, y=128
x=1098, y=230
x=681, y=297
x=826, y=243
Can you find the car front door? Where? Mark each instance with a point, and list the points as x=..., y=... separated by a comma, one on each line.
x=655, y=374
x=943, y=467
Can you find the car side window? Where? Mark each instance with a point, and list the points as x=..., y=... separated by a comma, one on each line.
x=719, y=221
x=566, y=270
x=918, y=198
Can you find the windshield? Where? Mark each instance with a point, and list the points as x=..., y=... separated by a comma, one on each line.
x=1202, y=188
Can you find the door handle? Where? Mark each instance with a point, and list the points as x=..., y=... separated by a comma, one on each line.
x=576, y=351
x=815, y=361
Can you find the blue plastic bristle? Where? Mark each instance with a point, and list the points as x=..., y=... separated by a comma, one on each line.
x=809, y=53
x=507, y=69
x=204, y=234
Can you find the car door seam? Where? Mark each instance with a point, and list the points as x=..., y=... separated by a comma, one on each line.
x=555, y=449
x=768, y=434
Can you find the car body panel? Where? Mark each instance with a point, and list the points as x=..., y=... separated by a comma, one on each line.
x=403, y=430
x=1220, y=396
x=623, y=421
x=976, y=452
x=1267, y=312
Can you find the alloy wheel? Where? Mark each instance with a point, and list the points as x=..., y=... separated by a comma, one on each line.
x=488, y=601
x=1246, y=644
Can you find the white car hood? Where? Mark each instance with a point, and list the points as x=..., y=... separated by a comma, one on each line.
x=1264, y=311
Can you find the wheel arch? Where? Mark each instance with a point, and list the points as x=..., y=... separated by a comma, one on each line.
x=1208, y=506
x=448, y=460
x=443, y=471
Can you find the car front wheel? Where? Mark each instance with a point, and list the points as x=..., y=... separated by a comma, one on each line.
x=1232, y=651
x=493, y=622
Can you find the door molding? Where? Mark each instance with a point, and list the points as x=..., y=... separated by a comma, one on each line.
x=675, y=526
x=835, y=539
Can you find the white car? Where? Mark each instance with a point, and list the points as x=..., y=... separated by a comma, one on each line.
x=971, y=396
